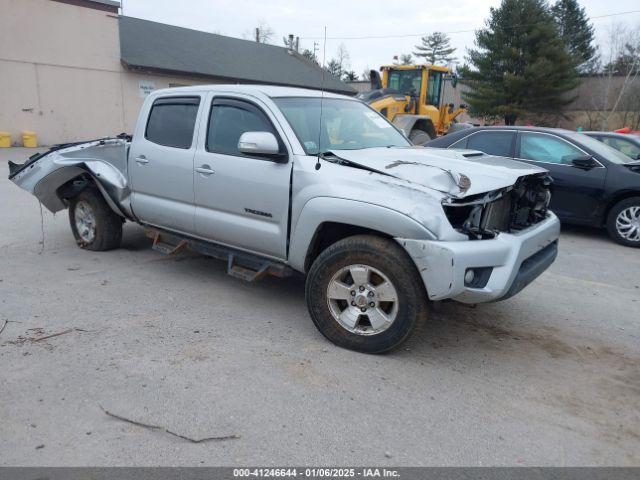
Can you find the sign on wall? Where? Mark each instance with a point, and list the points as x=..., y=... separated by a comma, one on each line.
x=146, y=87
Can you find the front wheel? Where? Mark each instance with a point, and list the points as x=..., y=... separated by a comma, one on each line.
x=364, y=293
x=623, y=222
x=94, y=225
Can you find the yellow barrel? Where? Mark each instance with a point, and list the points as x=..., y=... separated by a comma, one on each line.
x=29, y=139
x=5, y=139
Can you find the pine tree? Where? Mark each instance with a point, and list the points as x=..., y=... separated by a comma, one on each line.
x=406, y=59
x=575, y=29
x=349, y=76
x=436, y=48
x=520, y=64
x=309, y=55
x=334, y=68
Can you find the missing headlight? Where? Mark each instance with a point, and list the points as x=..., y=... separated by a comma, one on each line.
x=507, y=210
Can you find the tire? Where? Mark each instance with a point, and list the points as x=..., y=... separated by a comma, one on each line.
x=97, y=228
x=386, y=261
x=419, y=137
x=623, y=222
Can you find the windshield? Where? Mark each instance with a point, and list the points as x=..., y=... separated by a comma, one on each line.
x=600, y=148
x=346, y=125
x=407, y=82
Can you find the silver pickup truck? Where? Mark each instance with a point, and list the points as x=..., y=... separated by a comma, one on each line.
x=276, y=180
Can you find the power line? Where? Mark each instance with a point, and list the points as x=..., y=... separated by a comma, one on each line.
x=371, y=37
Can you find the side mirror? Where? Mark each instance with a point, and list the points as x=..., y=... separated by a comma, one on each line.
x=259, y=143
x=585, y=162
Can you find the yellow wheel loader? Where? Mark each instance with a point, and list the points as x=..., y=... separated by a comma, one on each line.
x=410, y=96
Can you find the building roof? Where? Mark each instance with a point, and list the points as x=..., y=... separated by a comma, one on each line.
x=104, y=5
x=157, y=46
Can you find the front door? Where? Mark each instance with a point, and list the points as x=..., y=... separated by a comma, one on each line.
x=161, y=163
x=576, y=192
x=240, y=200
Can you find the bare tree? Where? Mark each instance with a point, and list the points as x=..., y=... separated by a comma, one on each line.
x=617, y=68
x=263, y=32
x=342, y=57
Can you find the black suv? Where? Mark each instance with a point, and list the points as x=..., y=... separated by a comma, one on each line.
x=594, y=184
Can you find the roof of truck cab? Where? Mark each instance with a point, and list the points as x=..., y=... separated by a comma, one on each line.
x=266, y=90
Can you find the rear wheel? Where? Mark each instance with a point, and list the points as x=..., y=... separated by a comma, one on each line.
x=419, y=137
x=623, y=222
x=364, y=294
x=94, y=225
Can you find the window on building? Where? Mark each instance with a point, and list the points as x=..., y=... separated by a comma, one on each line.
x=172, y=121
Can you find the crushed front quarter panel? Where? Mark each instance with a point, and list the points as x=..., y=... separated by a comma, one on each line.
x=105, y=161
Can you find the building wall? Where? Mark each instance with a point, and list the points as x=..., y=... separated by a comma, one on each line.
x=61, y=75
x=57, y=62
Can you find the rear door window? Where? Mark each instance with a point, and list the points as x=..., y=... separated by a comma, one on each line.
x=172, y=121
x=492, y=143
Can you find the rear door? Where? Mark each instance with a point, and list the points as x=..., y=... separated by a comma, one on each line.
x=577, y=192
x=241, y=200
x=161, y=163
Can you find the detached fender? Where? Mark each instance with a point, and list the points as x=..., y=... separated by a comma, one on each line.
x=320, y=210
x=103, y=162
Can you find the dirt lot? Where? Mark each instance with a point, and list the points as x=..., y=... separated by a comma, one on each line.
x=550, y=377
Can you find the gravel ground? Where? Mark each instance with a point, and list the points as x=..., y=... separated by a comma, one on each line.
x=549, y=377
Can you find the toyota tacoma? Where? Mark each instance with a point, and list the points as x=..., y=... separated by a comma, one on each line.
x=276, y=180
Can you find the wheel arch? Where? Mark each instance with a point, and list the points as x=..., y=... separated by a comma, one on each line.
x=326, y=220
x=613, y=201
x=81, y=180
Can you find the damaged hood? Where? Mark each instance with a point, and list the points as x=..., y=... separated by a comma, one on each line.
x=459, y=173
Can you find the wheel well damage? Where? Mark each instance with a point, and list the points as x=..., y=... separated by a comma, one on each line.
x=329, y=233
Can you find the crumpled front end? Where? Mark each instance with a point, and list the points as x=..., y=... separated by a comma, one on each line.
x=512, y=239
x=62, y=171
x=508, y=209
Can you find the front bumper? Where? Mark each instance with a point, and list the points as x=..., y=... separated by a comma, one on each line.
x=511, y=261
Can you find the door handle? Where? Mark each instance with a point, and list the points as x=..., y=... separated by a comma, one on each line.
x=142, y=160
x=205, y=170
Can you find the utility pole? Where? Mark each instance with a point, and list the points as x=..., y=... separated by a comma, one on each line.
x=258, y=34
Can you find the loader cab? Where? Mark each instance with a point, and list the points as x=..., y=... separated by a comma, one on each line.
x=421, y=82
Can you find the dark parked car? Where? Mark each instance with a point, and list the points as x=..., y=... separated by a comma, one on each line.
x=593, y=184
x=627, y=143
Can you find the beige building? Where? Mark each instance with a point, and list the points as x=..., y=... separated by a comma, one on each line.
x=74, y=70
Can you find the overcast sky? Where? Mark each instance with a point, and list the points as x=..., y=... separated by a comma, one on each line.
x=344, y=18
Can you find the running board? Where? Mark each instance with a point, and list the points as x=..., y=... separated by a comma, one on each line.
x=242, y=265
